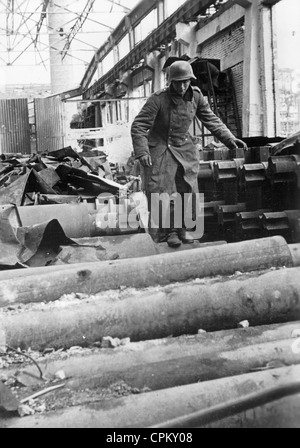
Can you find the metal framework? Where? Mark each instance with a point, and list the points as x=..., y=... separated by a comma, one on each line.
x=41, y=19
x=24, y=27
x=162, y=35
x=133, y=18
x=78, y=26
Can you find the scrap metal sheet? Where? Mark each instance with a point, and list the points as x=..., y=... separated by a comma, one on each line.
x=37, y=245
x=14, y=193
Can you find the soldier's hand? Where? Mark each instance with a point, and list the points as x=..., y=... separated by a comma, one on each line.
x=145, y=161
x=237, y=143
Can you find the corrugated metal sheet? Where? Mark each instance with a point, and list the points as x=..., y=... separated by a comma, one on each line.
x=49, y=124
x=14, y=126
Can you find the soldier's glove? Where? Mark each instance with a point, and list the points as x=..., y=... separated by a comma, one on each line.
x=237, y=143
x=145, y=161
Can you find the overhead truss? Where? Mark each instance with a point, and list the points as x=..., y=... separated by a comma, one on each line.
x=24, y=27
x=41, y=19
x=82, y=17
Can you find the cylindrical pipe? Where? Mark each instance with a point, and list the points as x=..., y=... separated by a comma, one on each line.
x=213, y=305
x=50, y=283
x=232, y=407
x=171, y=362
x=150, y=409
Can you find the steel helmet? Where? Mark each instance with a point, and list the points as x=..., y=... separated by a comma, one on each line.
x=181, y=71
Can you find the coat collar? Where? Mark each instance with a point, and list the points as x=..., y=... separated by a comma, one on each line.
x=176, y=99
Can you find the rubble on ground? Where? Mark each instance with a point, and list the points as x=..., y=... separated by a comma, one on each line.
x=82, y=189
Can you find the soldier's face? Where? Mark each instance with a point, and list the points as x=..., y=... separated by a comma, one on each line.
x=181, y=86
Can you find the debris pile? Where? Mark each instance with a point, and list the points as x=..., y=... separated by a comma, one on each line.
x=53, y=206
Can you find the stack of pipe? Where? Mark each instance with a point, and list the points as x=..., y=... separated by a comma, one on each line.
x=211, y=305
x=230, y=365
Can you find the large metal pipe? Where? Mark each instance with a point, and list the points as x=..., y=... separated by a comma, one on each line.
x=232, y=407
x=171, y=362
x=174, y=310
x=152, y=408
x=50, y=283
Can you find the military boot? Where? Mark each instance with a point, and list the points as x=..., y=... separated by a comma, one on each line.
x=173, y=239
x=185, y=236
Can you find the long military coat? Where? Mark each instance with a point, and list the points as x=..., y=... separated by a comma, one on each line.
x=161, y=129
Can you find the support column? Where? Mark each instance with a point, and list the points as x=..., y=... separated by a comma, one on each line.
x=100, y=69
x=116, y=54
x=161, y=11
x=153, y=60
x=62, y=70
x=186, y=35
x=130, y=33
x=258, y=91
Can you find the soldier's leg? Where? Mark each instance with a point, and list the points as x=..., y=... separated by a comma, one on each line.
x=183, y=188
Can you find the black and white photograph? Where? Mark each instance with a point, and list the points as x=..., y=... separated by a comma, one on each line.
x=149, y=217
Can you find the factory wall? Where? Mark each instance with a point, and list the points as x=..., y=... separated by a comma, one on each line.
x=221, y=37
x=226, y=46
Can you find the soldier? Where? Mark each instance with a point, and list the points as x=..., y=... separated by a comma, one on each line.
x=163, y=145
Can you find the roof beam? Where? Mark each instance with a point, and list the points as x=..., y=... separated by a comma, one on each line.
x=244, y=3
x=133, y=18
x=159, y=36
x=270, y=2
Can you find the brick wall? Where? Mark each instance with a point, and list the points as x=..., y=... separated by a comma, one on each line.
x=223, y=43
x=222, y=46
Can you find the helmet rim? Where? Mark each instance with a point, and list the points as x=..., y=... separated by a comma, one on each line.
x=181, y=71
x=183, y=78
